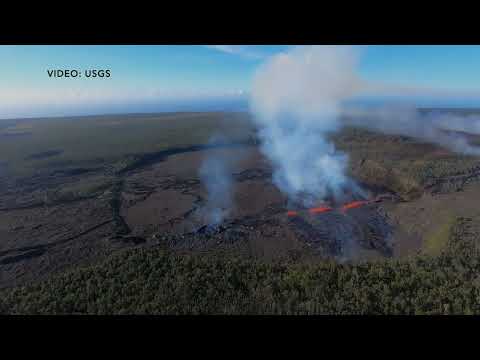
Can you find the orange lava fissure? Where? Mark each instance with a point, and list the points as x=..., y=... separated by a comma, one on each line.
x=344, y=208
x=319, y=210
x=354, y=204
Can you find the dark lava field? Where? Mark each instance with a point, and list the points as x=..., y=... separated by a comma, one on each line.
x=68, y=211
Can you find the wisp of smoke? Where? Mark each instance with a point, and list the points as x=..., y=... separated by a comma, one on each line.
x=467, y=124
x=433, y=127
x=295, y=101
x=216, y=174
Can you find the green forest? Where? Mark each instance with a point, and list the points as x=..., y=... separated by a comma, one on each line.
x=159, y=281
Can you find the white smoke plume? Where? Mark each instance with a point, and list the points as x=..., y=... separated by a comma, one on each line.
x=296, y=98
x=297, y=101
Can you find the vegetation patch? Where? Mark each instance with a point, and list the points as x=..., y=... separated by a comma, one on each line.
x=157, y=281
x=437, y=242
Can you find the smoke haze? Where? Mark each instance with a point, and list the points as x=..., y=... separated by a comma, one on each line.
x=434, y=127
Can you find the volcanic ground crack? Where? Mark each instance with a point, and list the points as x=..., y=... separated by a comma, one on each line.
x=40, y=249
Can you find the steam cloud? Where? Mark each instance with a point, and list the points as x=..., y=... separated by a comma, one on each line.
x=296, y=99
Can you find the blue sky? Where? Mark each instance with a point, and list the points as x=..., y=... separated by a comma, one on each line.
x=155, y=78
x=430, y=66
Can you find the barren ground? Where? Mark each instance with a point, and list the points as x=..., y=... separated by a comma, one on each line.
x=64, y=216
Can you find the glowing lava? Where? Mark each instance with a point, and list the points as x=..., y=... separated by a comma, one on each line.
x=319, y=210
x=353, y=205
x=344, y=208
